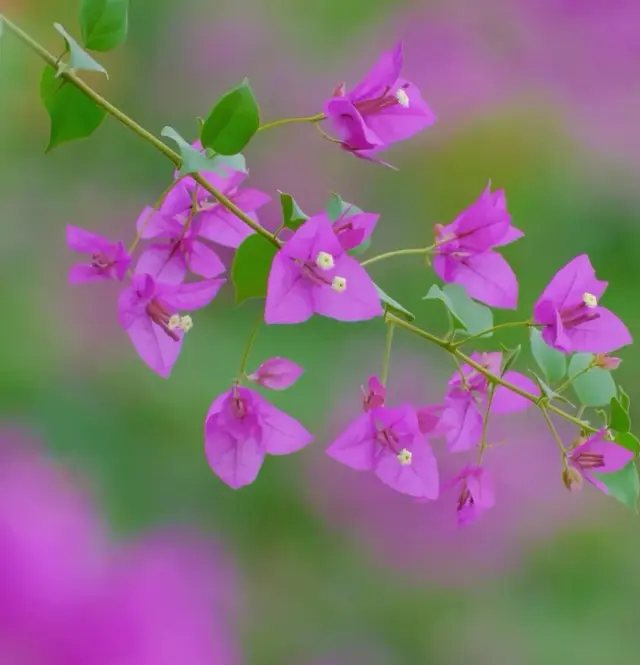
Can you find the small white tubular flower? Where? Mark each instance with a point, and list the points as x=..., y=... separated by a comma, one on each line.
x=186, y=323
x=174, y=322
x=404, y=457
x=589, y=300
x=324, y=260
x=339, y=284
x=403, y=98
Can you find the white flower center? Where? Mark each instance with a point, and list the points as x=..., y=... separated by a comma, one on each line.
x=589, y=300
x=403, y=98
x=339, y=284
x=324, y=260
x=174, y=322
x=184, y=323
x=404, y=457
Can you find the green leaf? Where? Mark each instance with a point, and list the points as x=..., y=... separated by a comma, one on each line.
x=73, y=114
x=618, y=417
x=623, y=485
x=251, y=267
x=595, y=387
x=292, y=215
x=194, y=161
x=79, y=59
x=509, y=357
x=467, y=314
x=394, y=306
x=104, y=23
x=553, y=363
x=624, y=400
x=232, y=122
x=337, y=208
x=628, y=441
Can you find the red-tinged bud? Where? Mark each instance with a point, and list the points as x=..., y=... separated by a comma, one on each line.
x=572, y=479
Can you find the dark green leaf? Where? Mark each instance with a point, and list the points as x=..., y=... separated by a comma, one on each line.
x=292, y=215
x=79, y=59
x=553, y=363
x=595, y=387
x=628, y=441
x=394, y=306
x=467, y=314
x=618, y=418
x=233, y=121
x=623, y=485
x=251, y=267
x=509, y=357
x=104, y=23
x=194, y=161
x=73, y=115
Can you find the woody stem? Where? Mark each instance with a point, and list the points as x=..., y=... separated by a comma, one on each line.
x=397, y=252
x=554, y=431
x=485, y=423
x=450, y=347
x=75, y=80
x=500, y=326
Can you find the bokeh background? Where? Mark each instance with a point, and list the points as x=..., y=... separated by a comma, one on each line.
x=540, y=96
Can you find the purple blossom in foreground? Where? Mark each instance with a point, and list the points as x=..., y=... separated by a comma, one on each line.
x=466, y=402
x=313, y=274
x=241, y=428
x=389, y=442
x=374, y=395
x=597, y=455
x=465, y=253
x=70, y=597
x=353, y=229
x=382, y=109
x=276, y=373
x=149, y=313
x=476, y=494
x=109, y=260
x=571, y=315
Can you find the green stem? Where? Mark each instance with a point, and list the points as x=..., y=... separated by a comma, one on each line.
x=286, y=121
x=485, y=424
x=500, y=326
x=247, y=349
x=554, y=431
x=73, y=78
x=397, y=252
x=387, y=353
x=450, y=347
x=570, y=380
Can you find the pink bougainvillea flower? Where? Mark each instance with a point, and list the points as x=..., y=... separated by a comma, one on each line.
x=374, y=394
x=465, y=253
x=109, y=260
x=388, y=441
x=598, y=455
x=149, y=313
x=466, y=402
x=572, y=318
x=241, y=428
x=181, y=250
x=353, y=229
x=276, y=373
x=313, y=274
x=606, y=362
x=382, y=109
x=476, y=495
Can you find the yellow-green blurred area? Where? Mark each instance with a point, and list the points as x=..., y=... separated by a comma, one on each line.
x=539, y=96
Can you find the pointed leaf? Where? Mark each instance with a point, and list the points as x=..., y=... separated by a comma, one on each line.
x=623, y=485
x=618, y=418
x=232, y=122
x=628, y=441
x=547, y=391
x=552, y=363
x=292, y=215
x=337, y=208
x=79, y=59
x=251, y=267
x=194, y=161
x=104, y=23
x=73, y=114
x=596, y=387
x=624, y=400
x=509, y=357
x=468, y=315
x=394, y=306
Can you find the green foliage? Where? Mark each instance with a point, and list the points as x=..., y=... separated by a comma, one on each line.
x=251, y=267
x=79, y=59
x=618, y=417
x=623, y=485
x=628, y=441
x=194, y=161
x=509, y=357
x=547, y=391
x=232, y=122
x=468, y=315
x=553, y=363
x=594, y=387
x=104, y=23
x=73, y=114
x=292, y=215
x=394, y=306
x=336, y=209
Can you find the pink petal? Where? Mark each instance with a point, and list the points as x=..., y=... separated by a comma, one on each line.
x=277, y=373
x=153, y=345
x=418, y=479
x=223, y=227
x=480, y=486
x=355, y=229
x=381, y=77
x=281, y=434
x=506, y=401
x=510, y=236
x=350, y=126
x=80, y=240
x=153, y=224
x=484, y=223
x=193, y=295
x=462, y=424
x=356, y=446
x=288, y=293
x=615, y=456
x=161, y=261
x=250, y=200
x=82, y=272
x=204, y=261
x=555, y=334
x=605, y=334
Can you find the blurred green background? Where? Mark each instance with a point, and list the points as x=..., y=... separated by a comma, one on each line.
x=535, y=95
